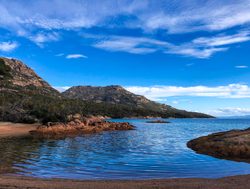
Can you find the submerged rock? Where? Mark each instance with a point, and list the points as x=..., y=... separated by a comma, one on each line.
x=158, y=121
x=78, y=125
x=233, y=145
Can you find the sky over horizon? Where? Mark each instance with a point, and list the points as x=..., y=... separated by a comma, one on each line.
x=190, y=54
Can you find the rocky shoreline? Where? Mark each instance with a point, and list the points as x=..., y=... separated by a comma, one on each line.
x=77, y=125
x=232, y=145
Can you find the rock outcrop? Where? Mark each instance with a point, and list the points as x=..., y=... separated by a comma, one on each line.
x=233, y=145
x=16, y=76
x=78, y=125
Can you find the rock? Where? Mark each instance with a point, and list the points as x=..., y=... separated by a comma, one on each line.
x=77, y=116
x=23, y=76
x=233, y=145
x=157, y=121
x=71, y=123
x=77, y=127
x=77, y=121
x=69, y=117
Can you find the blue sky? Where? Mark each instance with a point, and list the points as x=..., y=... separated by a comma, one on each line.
x=191, y=54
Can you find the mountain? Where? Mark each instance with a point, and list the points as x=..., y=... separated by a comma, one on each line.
x=117, y=95
x=16, y=76
x=113, y=94
x=26, y=97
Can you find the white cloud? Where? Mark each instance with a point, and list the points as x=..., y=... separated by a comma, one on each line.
x=202, y=47
x=189, y=16
x=205, y=47
x=241, y=66
x=134, y=45
x=223, y=40
x=61, y=88
x=172, y=16
x=193, y=51
x=41, y=38
x=8, y=46
x=160, y=92
x=175, y=102
x=151, y=17
x=75, y=56
x=231, y=111
x=51, y=14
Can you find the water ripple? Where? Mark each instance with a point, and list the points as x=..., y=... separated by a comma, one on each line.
x=150, y=151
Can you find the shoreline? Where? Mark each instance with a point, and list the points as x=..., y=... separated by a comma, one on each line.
x=9, y=129
x=231, y=145
x=232, y=182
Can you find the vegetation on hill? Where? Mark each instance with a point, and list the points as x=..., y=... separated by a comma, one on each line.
x=118, y=95
x=25, y=97
x=4, y=70
x=113, y=94
x=31, y=107
x=36, y=107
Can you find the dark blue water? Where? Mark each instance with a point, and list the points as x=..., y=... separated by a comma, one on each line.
x=150, y=151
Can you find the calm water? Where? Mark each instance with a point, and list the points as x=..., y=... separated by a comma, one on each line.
x=150, y=151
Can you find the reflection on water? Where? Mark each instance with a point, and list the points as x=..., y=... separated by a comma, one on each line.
x=15, y=150
x=150, y=151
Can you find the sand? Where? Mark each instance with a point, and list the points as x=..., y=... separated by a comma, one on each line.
x=8, y=129
x=236, y=182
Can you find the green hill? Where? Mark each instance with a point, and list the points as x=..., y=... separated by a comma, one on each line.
x=26, y=97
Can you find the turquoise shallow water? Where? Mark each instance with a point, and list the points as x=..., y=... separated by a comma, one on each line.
x=150, y=151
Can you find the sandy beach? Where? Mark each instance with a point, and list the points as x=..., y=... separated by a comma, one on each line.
x=236, y=182
x=8, y=129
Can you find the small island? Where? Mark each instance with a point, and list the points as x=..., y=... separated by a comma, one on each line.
x=77, y=125
x=232, y=145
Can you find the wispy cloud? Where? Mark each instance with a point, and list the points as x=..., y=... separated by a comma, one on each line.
x=75, y=56
x=8, y=46
x=201, y=47
x=176, y=17
x=134, y=45
x=190, y=16
x=222, y=40
x=195, y=51
x=205, y=47
x=241, y=66
x=150, y=17
x=172, y=16
x=43, y=37
x=231, y=111
x=51, y=14
x=161, y=92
